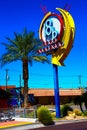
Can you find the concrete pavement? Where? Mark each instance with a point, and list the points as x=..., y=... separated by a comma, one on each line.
x=59, y=125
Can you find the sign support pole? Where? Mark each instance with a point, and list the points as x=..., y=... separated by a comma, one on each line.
x=56, y=90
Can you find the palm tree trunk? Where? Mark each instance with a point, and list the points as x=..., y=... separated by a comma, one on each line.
x=25, y=77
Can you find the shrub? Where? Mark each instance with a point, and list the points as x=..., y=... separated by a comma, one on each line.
x=65, y=109
x=44, y=115
x=77, y=112
x=85, y=113
x=53, y=114
x=71, y=114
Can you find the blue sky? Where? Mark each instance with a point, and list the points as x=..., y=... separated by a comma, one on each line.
x=15, y=15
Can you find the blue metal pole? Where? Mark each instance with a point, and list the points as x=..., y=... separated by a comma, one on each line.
x=56, y=90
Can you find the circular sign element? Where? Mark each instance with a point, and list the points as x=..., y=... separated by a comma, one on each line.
x=51, y=28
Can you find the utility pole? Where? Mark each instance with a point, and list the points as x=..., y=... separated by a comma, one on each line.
x=20, y=93
x=20, y=80
x=80, y=80
x=6, y=78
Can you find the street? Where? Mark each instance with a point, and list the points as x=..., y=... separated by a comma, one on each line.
x=60, y=125
x=69, y=126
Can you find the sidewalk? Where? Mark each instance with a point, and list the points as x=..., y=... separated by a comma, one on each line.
x=24, y=124
x=17, y=122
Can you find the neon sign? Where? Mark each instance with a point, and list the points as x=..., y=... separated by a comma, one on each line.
x=57, y=34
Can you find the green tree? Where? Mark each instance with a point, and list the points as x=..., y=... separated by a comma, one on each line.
x=84, y=97
x=24, y=48
x=78, y=100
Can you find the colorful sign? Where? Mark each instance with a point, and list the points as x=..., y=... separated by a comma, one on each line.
x=57, y=34
x=51, y=30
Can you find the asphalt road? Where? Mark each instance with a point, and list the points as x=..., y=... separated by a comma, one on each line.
x=67, y=126
x=60, y=125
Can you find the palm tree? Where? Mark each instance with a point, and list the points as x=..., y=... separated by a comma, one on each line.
x=24, y=48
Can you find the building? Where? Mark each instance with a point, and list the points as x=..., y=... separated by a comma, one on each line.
x=7, y=87
x=8, y=96
x=4, y=97
x=46, y=96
